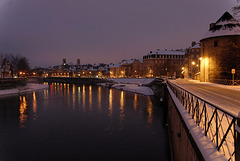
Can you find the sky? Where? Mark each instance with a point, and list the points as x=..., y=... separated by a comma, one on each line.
x=102, y=31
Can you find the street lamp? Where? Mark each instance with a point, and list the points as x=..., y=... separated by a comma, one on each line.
x=193, y=63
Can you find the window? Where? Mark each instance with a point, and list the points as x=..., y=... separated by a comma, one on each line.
x=215, y=43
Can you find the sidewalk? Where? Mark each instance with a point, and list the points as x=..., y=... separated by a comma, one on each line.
x=237, y=88
x=223, y=96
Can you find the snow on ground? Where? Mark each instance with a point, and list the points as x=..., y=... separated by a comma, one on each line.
x=134, y=88
x=138, y=81
x=237, y=88
x=133, y=85
x=30, y=87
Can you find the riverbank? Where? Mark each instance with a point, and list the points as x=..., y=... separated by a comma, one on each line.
x=134, y=85
x=28, y=88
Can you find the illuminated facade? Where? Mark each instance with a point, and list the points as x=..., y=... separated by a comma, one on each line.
x=127, y=68
x=163, y=63
x=220, y=50
x=192, y=58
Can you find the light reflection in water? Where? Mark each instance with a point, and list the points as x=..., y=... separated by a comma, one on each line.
x=51, y=89
x=73, y=95
x=34, y=106
x=83, y=97
x=135, y=102
x=45, y=94
x=55, y=87
x=90, y=98
x=68, y=95
x=122, y=106
x=110, y=103
x=65, y=90
x=79, y=95
x=23, y=111
x=150, y=110
x=99, y=97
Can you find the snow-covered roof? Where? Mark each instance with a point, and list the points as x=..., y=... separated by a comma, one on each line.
x=111, y=65
x=126, y=61
x=114, y=65
x=169, y=52
x=225, y=25
x=196, y=46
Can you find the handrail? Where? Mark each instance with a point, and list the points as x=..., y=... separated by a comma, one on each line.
x=216, y=123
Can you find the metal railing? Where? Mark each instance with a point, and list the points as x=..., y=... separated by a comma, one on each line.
x=216, y=123
x=225, y=81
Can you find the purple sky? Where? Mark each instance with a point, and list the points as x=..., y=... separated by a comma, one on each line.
x=95, y=31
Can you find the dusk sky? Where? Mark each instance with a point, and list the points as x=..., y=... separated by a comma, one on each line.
x=102, y=31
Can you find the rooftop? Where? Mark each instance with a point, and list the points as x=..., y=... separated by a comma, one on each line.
x=224, y=26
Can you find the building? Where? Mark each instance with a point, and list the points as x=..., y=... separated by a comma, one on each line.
x=127, y=68
x=163, y=63
x=220, y=50
x=192, y=62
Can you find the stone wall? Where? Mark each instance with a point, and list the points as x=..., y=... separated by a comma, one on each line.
x=8, y=83
x=183, y=147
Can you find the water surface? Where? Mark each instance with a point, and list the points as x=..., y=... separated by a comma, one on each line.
x=69, y=122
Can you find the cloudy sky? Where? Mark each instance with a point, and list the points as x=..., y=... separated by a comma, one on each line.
x=95, y=31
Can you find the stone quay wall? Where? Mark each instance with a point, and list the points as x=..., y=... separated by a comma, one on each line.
x=183, y=147
x=8, y=83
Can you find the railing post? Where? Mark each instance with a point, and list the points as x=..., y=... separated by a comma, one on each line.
x=217, y=128
x=237, y=148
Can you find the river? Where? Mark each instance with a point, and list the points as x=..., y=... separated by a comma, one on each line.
x=87, y=123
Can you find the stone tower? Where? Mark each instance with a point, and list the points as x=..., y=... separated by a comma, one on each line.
x=220, y=50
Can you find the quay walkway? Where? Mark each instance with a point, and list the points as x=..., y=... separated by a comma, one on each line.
x=225, y=96
x=214, y=110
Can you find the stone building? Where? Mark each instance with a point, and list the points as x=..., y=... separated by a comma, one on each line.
x=220, y=50
x=192, y=62
x=163, y=63
x=127, y=68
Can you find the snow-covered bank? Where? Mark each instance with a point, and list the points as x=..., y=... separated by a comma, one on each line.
x=133, y=85
x=134, y=88
x=138, y=81
x=30, y=87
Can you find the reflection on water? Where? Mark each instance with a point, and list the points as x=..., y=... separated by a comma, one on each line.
x=83, y=97
x=23, y=111
x=78, y=122
x=150, y=110
x=99, y=97
x=90, y=98
x=73, y=95
x=121, y=107
x=135, y=102
x=34, y=102
x=79, y=95
x=110, y=103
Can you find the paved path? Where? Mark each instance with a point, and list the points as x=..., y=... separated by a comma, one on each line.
x=226, y=97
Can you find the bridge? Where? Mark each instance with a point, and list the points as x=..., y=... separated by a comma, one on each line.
x=203, y=120
x=70, y=80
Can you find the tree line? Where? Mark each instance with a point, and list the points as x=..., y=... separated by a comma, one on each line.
x=13, y=64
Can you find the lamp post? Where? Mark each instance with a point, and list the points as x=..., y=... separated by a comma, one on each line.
x=193, y=63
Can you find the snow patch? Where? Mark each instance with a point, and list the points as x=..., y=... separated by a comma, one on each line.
x=30, y=87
